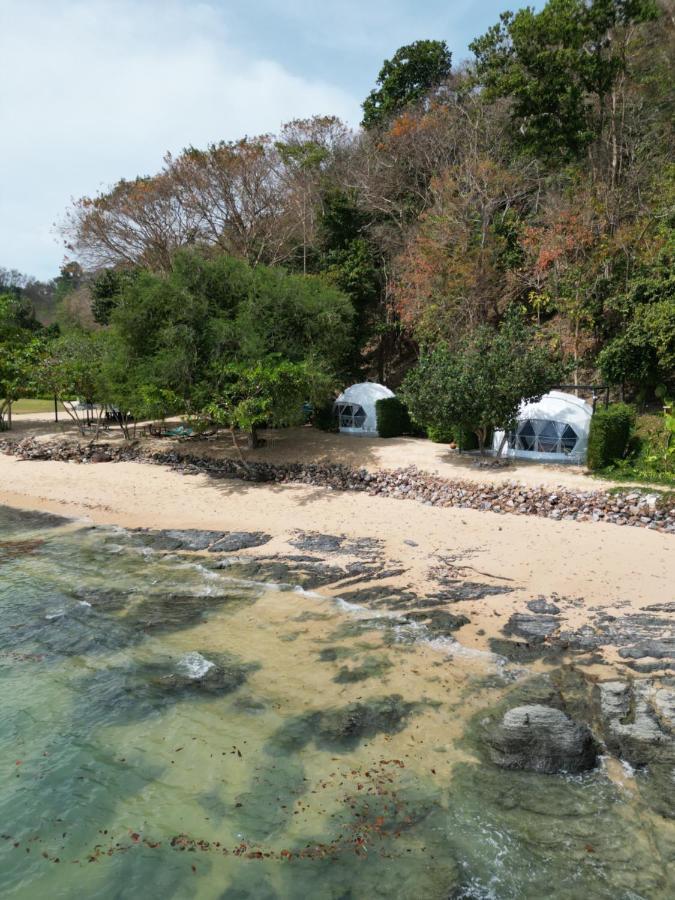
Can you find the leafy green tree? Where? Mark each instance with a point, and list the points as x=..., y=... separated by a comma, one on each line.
x=644, y=354
x=412, y=72
x=21, y=343
x=70, y=370
x=351, y=262
x=215, y=337
x=481, y=386
x=558, y=67
x=106, y=290
x=270, y=392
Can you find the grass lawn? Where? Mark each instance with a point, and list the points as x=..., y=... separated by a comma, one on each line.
x=21, y=407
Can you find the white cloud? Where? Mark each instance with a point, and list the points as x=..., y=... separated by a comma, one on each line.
x=94, y=90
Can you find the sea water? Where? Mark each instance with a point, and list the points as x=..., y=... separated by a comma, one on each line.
x=166, y=732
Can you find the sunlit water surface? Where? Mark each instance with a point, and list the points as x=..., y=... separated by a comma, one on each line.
x=167, y=732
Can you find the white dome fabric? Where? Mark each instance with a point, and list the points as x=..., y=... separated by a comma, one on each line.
x=555, y=429
x=355, y=407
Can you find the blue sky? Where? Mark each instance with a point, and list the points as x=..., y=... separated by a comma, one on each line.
x=96, y=90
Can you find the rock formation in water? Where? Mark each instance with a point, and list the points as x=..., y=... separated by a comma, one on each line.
x=541, y=739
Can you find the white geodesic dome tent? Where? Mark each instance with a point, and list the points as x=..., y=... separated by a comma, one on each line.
x=355, y=407
x=555, y=429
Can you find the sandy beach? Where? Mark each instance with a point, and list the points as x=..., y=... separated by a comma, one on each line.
x=588, y=566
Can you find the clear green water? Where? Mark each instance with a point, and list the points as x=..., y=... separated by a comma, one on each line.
x=314, y=759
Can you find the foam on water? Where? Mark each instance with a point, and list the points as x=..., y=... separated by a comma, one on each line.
x=194, y=665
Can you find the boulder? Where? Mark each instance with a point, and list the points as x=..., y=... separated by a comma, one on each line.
x=639, y=721
x=542, y=605
x=541, y=739
x=534, y=627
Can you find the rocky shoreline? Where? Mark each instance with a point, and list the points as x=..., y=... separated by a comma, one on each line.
x=561, y=718
x=632, y=508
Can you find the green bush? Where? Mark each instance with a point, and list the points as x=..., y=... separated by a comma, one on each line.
x=651, y=453
x=463, y=437
x=324, y=417
x=440, y=435
x=392, y=418
x=610, y=434
x=468, y=440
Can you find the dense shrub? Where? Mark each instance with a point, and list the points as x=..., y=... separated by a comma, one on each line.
x=463, y=437
x=392, y=417
x=324, y=417
x=440, y=435
x=468, y=440
x=610, y=433
x=651, y=453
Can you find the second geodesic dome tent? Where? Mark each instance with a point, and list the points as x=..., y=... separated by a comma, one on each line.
x=355, y=407
x=554, y=429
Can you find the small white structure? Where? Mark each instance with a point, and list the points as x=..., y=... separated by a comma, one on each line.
x=555, y=429
x=355, y=407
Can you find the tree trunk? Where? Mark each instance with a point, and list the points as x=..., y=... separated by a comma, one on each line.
x=253, y=439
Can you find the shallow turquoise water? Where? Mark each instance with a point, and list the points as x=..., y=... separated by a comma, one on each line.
x=167, y=732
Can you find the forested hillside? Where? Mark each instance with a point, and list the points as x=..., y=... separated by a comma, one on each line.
x=540, y=173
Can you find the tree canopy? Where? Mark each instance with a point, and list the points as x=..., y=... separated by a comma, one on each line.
x=537, y=175
x=480, y=386
x=411, y=73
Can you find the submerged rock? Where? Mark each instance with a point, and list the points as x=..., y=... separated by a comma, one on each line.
x=522, y=651
x=438, y=622
x=342, y=728
x=284, y=572
x=240, y=540
x=639, y=726
x=167, y=612
x=350, y=724
x=370, y=667
x=198, y=673
x=541, y=739
x=177, y=539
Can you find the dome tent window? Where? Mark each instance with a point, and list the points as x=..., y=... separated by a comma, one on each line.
x=540, y=436
x=553, y=429
x=350, y=415
x=355, y=407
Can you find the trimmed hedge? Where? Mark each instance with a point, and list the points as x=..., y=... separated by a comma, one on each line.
x=392, y=418
x=610, y=433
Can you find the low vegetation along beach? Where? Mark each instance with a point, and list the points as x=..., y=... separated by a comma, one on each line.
x=337, y=463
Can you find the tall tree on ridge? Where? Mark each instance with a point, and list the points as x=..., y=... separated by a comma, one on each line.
x=412, y=72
